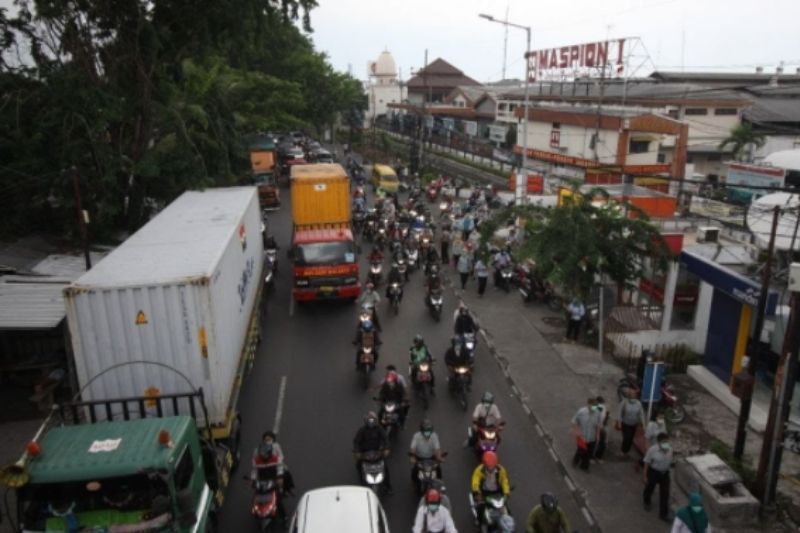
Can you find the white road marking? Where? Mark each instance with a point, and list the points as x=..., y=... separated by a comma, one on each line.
x=553, y=454
x=539, y=430
x=569, y=483
x=279, y=409
x=587, y=516
x=291, y=304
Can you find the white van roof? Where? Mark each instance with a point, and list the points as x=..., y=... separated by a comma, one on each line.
x=343, y=508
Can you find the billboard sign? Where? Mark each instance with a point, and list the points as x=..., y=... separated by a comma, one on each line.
x=577, y=59
x=471, y=128
x=752, y=175
x=497, y=133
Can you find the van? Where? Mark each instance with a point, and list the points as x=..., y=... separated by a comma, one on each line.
x=341, y=508
x=384, y=177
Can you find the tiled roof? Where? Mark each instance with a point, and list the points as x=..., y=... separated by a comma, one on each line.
x=440, y=73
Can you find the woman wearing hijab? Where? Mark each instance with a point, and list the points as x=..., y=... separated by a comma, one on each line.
x=692, y=518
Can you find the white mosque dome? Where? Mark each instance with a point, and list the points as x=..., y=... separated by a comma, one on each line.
x=384, y=66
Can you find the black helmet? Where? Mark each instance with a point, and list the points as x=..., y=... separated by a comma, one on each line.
x=549, y=502
x=371, y=419
x=426, y=425
x=418, y=340
x=487, y=397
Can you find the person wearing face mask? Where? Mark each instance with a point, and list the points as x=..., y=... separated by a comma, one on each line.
x=485, y=414
x=692, y=518
x=433, y=517
x=655, y=427
x=488, y=478
x=629, y=418
x=657, y=463
x=586, y=427
x=425, y=446
x=369, y=438
x=547, y=517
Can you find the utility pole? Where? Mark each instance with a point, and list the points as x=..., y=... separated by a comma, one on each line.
x=600, y=109
x=769, y=463
x=505, y=47
x=83, y=217
x=425, y=97
x=754, y=348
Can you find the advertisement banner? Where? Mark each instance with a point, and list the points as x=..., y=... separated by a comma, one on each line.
x=497, y=133
x=471, y=128
x=752, y=175
x=577, y=60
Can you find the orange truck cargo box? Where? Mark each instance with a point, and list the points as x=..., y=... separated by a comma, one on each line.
x=262, y=160
x=320, y=195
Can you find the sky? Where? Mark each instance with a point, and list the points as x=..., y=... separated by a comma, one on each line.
x=707, y=35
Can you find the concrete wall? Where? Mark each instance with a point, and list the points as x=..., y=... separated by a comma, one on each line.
x=378, y=98
x=575, y=140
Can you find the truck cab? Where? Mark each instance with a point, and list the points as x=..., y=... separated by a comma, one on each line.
x=325, y=264
x=138, y=475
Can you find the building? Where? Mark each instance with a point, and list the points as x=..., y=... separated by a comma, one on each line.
x=433, y=83
x=383, y=87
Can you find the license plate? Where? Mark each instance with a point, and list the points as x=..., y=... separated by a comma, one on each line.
x=327, y=288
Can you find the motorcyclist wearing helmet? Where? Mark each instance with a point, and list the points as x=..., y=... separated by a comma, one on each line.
x=489, y=478
x=375, y=256
x=418, y=354
x=548, y=517
x=485, y=414
x=394, y=277
x=424, y=446
x=371, y=438
x=433, y=517
x=393, y=391
x=456, y=355
x=433, y=281
x=268, y=463
x=370, y=298
x=463, y=322
x=366, y=335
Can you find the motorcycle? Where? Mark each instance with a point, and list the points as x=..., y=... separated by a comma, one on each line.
x=264, y=506
x=413, y=257
x=435, y=303
x=668, y=404
x=366, y=361
x=375, y=272
x=432, y=192
x=359, y=218
x=532, y=288
x=460, y=383
x=423, y=382
x=487, y=439
x=402, y=266
x=395, y=292
x=506, y=275
x=389, y=417
x=380, y=238
x=468, y=343
x=494, y=508
x=427, y=473
x=373, y=471
x=270, y=267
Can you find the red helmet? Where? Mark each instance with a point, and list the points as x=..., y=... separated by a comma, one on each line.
x=433, y=496
x=489, y=459
x=391, y=377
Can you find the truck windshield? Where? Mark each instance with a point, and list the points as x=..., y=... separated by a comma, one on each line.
x=101, y=503
x=264, y=179
x=325, y=253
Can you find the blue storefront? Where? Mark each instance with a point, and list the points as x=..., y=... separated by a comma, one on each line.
x=733, y=307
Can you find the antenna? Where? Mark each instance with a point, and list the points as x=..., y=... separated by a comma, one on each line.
x=505, y=45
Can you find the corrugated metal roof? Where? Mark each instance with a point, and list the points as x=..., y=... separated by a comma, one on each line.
x=774, y=110
x=66, y=266
x=31, y=303
x=183, y=242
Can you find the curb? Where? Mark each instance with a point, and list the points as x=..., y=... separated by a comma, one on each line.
x=576, y=492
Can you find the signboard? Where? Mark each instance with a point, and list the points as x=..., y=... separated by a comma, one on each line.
x=555, y=138
x=449, y=124
x=577, y=59
x=752, y=175
x=471, y=128
x=558, y=158
x=497, y=133
x=651, y=384
x=429, y=121
x=502, y=155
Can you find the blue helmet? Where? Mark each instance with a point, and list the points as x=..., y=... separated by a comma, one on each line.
x=367, y=325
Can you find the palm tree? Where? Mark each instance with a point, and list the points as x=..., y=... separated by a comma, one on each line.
x=741, y=138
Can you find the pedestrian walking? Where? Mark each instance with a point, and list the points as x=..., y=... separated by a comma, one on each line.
x=457, y=248
x=444, y=243
x=467, y=225
x=575, y=314
x=464, y=267
x=482, y=274
x=657, y=463
x=600, y=449
x=629, y=418
x=586, y=427
x=655, y=427
x=692, y=518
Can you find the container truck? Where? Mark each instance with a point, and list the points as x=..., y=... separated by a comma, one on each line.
x=180, y=293
x=323, y=250
x=263, y=165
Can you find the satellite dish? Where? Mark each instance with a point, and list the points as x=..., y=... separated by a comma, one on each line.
x=759, y=220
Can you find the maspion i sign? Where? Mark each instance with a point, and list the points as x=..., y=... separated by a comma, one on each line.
x=578, y=58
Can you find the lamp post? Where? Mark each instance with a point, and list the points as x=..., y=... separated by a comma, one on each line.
x=520, y=191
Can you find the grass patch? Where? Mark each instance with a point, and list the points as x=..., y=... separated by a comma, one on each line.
x=740, y=466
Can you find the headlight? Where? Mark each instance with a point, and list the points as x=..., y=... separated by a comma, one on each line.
x=490, y=435
x=375, y=269
x=462, y=370
x=301, y=282
x=497, y=503
x=390, y=407
x=367, y=350
x=470, y=345
x=437, y=301
x=374, y=479
x=443, y=206
x=424, y=367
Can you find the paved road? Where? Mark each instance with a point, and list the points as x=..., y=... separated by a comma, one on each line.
x=304, y=382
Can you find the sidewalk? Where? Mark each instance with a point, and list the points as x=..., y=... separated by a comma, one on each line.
x=552, y=380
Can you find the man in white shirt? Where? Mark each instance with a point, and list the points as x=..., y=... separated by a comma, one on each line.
x=433, y=517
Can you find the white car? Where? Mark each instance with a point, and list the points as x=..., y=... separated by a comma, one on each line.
x=341, y=508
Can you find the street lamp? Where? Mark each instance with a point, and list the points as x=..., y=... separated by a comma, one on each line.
x=520, y=192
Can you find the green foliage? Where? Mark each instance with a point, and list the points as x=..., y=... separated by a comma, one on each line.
x=511, y=136
x=573, y=243
x=740, y=138
x=148, y=99
x=740, y=466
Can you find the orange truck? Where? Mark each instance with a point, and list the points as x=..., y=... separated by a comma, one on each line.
x=324, y=253
x=262, y=162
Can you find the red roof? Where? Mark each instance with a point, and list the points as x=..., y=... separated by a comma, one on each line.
x=307, y=236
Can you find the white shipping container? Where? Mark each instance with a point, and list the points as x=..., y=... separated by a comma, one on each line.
x=181, y=292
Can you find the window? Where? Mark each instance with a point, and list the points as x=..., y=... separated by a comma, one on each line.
x=726, y=111
x=556, y=125
x=184, y=470
x=673, y=113
x=661, y=158
x=695, y=111
x=639, y=147
x=690, y=158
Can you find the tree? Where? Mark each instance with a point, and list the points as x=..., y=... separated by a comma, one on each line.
x=741, y=139
x=572, y=243
x=511, y=136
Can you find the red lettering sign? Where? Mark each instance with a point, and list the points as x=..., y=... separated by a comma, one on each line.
x=577, y=58
x=555, y=138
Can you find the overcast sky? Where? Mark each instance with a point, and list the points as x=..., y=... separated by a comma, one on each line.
x=716, y=35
